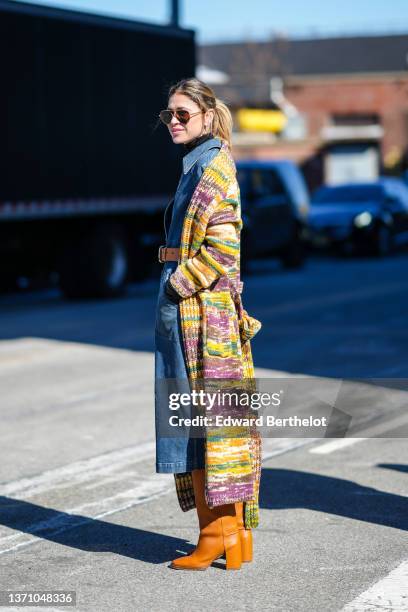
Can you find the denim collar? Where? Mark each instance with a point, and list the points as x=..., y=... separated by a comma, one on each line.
x=190, y=159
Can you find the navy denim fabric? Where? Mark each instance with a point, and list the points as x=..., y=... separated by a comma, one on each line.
x=176, y=454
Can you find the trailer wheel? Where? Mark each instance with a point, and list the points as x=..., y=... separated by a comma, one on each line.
x=96, y=264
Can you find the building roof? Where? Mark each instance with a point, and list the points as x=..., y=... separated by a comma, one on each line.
x=250, y=65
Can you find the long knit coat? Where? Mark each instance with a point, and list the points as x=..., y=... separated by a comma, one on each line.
x=217, y=331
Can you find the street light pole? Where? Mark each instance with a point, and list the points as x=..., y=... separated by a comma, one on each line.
x=175, y=14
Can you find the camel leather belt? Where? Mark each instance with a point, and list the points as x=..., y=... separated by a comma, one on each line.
x=168, y=253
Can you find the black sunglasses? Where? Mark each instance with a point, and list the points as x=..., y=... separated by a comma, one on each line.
x=183, y=116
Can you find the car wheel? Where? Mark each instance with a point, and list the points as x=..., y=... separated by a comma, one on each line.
x=95, y=265
x=294, y=254
x=244, y=266
x=245, y=253
x=383, y=241
x=347, y=248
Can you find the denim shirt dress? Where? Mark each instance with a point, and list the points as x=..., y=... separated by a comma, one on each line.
x=178, y=453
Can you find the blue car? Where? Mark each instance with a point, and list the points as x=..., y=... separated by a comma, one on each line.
x=369, y=216
x=275, y=205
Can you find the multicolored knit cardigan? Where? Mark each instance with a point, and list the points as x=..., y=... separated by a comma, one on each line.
x=217, y=331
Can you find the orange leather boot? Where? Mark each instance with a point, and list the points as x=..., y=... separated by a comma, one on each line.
x=245, y=534
x=219, y=533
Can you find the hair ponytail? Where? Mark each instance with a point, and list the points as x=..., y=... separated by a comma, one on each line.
x=222, y=122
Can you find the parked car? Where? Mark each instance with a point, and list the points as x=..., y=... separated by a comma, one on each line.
x=370, y=217
x=275, y=205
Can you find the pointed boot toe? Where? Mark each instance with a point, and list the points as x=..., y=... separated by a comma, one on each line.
x=186, y=563
x=219, y=537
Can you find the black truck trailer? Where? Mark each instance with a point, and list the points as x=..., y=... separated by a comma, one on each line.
x=85, y=169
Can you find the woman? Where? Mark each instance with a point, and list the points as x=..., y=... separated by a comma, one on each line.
x=202, y=331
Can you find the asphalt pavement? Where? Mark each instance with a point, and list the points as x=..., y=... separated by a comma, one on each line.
x=82, y=509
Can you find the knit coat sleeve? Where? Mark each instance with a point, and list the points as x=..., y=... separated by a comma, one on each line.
x=218, y=252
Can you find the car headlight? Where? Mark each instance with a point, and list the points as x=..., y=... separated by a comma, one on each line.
x=363, y=219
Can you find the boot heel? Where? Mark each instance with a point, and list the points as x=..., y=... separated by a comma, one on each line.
x=233, y=556
x=246, y=546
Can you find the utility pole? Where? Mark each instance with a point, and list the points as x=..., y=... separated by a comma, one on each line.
x=175, y=14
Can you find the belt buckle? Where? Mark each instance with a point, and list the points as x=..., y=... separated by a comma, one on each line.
x=163, y=246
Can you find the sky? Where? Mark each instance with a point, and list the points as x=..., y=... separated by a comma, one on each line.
x=234, y=20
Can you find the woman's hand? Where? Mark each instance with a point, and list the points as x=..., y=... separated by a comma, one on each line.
x=218, y=253
x=171, y=292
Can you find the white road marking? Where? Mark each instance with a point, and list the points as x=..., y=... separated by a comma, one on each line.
x=104, y=467
x=279, y=446
x=149, y=488
x=99, y=470
x=79, y=471
x=369, y=432
x=390, y=593
x=334, y=445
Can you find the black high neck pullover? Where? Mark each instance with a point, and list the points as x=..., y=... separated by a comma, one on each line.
x=189, y=146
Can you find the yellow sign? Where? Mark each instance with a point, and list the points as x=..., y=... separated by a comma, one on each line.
x=261, y=120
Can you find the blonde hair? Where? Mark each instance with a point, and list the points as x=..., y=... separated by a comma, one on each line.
x=204, y=97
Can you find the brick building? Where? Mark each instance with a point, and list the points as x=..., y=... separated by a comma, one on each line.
x=342, y=98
